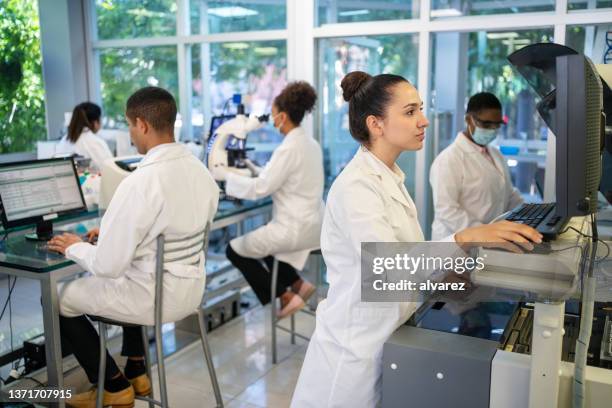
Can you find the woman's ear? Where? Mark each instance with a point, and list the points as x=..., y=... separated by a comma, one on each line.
x=374, y=125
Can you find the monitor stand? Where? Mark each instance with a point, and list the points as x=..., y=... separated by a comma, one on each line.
x=44, y=231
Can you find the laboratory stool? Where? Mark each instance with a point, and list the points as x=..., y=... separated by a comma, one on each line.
x=317, y=256
x=164, y=248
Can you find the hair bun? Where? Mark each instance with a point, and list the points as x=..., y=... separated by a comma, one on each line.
x=352, y=82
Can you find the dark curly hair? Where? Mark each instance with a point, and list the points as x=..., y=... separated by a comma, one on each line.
x=295, y=100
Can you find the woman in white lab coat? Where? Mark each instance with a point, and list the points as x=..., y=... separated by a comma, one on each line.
x=368, y=202
x=294, y=179
x=82, y=139
x=471, y=181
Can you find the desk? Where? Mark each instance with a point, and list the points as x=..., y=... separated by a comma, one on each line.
x=28, y=259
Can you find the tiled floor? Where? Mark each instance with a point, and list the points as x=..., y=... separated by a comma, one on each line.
x=242, y=356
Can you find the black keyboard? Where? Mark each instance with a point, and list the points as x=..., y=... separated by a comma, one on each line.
x=541, y=217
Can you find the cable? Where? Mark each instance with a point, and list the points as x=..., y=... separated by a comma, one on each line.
x=602, y=258
x=9, y=297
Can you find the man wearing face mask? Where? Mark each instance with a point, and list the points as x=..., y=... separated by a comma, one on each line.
x=470, y=180
x=294, y=178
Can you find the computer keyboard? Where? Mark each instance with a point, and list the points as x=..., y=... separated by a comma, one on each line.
x=542, y=217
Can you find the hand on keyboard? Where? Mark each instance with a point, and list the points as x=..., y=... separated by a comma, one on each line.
x=61, y=242
x=503, y=234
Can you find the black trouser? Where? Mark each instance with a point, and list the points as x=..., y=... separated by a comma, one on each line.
x=81, y=338
x=260, y=277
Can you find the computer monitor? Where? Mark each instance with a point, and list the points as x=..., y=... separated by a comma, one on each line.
x=37, y=192
x=572, y=107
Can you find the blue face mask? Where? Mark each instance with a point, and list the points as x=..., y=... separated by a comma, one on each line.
x=484, y=136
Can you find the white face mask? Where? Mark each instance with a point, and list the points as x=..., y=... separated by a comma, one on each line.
x=280, y=125
x=484, y=136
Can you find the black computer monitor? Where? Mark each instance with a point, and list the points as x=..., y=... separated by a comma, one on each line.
x=572, y=107
x=37, y=192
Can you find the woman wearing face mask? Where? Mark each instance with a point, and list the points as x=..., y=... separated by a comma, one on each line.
x=471, y=181
x=294, y=179
x=82, y=138
x=368, y=202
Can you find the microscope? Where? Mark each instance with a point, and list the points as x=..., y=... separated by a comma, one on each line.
x=227, y=140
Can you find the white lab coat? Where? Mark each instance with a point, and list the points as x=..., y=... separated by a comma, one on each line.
x=367, y=203
x=171, y=193
x=468, y=190
x=88, y=145
x=294, y=178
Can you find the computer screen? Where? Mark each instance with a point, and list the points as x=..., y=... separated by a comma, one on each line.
x=37, y=189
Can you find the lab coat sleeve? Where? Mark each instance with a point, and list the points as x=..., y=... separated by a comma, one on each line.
x=125, y=224
x=446, y=176
x=269, y=180
x=515, y=199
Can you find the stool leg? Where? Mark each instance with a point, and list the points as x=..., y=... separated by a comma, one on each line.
x=161, y=371
x=102, y=365
x=208, y=356
x=293, y=329
x=273, y=307
x=147, y=356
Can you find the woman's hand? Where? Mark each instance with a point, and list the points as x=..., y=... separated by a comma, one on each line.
x=92, y=235
x=502, y=234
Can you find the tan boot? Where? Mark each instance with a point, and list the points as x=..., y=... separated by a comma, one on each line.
x=141, y=384
x=119, y=399
x=303, y=288
x=290, y=303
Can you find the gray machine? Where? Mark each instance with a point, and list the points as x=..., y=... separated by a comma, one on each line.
x=480, y=358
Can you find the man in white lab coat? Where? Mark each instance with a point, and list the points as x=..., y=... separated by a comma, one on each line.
x=171, y=193
x=470, y=180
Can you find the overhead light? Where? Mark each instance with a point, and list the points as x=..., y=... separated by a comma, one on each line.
x=512, y=163
x=232, y=11
x=524, y=41
x=266, y=50
x=353, y=13
x=498, y=36
x=236, y=46
x=448, y=12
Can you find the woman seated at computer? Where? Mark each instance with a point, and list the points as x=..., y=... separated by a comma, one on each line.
x=470, y=180
x=82, y=138
x=294, y=179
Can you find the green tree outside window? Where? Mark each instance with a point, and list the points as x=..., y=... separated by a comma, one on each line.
x=22, y=105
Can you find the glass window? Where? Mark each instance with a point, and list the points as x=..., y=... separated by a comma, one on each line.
x=395, y=54
x=135, y=18
x=125, y=70
x=22, y=97
x=467, y=63
x=348, y=11
x=210, y=17
x=588, y=4
x=256, y=70
x=594, y=41
x=456, y=8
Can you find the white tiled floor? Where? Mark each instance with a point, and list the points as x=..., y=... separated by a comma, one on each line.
x=242, y=356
